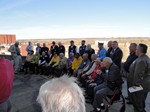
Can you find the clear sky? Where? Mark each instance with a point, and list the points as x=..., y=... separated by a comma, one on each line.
x=75, y=18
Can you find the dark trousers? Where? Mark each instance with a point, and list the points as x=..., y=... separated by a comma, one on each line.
x=138, y=100
x=100, y=94
x=5, y=106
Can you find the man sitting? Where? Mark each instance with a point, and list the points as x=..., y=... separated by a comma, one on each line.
x=113, y=80
x=69, y=63
x=76, y=62
x=27, y=63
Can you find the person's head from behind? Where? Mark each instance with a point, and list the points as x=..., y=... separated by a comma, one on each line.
x=114, y=44
x=141, y=49
x=107, y=61
x=93, y=57
x=61, y=95
x=83, y=42
x=85, y=56
x=77, y=55
x=132, y=47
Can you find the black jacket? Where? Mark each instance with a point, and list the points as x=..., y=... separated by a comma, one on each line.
x=82, y=49
x=61, y=49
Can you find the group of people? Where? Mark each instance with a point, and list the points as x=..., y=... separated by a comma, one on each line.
x=99, y=73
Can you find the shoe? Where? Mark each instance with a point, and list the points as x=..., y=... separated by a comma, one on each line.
x=95, y=110
x=16, y=73
x=129, y=102
x=102, y=106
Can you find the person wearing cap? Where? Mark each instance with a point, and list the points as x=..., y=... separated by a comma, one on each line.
x=54, y=48
x=61, y=48
x=101, y=52
x=72, y=48
x=82, y=47
x=139, y=73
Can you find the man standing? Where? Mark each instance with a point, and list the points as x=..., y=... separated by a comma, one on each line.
x=82, y=47
x=101, y=52
x=44, y=49
x=139, y=72
x=109, y=44
x=132, y=56
x=116, y=54
x=54, y=48
x=29, y=48
x=15, y=52
x=61, y=48
x=6, y=84
x=72, y=48
x=38, y=48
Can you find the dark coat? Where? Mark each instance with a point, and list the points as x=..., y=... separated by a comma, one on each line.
x=82, y=49
x=129, y=60
x=72, y=49
x=61, y=49
x=139, y=72
x=112, y=76
x=117, y=57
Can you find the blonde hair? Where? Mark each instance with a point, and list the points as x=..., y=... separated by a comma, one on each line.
x=61, y=95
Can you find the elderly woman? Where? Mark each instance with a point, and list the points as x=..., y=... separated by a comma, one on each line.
x=61, y=95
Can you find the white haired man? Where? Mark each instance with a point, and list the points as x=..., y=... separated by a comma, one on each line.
x=112, y=79
x=61, y=95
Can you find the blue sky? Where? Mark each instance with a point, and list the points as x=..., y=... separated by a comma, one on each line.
x=75, y=18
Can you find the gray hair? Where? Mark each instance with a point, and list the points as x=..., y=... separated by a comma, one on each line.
x=108, y=59
x=61, y=95
x=94, y=56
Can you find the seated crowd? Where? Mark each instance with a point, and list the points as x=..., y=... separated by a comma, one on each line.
x=99, y=74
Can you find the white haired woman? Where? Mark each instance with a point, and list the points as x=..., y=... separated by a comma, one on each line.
x=61, y=95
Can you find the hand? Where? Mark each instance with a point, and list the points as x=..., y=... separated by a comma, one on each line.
x=99, y=72
x=89, y=81
x=90, y=77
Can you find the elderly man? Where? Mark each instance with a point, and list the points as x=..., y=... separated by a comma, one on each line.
x=139, y=73
x=61, y=48
x=15, y=52
x=89, y=50
x=6, y=84
x=29, y=48
x=112, y=79
x=61, y=95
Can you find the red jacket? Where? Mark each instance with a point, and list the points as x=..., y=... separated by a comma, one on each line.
x=6, y=79
x=94, y=74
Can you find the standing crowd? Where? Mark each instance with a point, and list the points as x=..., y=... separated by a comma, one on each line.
x=99, y=73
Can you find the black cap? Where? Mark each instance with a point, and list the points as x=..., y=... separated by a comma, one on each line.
x=99, y=43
